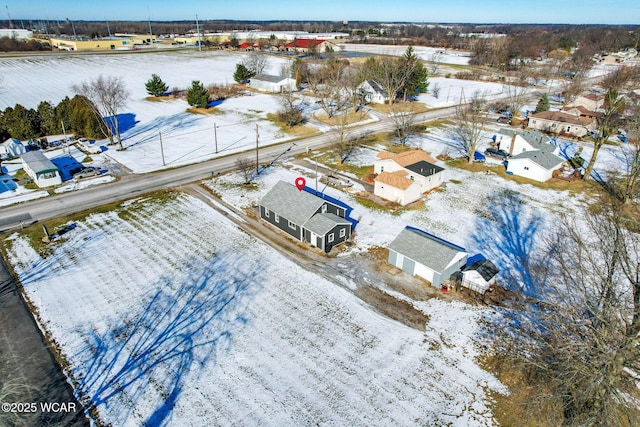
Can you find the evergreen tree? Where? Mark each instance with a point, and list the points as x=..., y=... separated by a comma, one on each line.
x=49, y=124
x=543, y=104
x=416, y=74
x=197, y=95
x=22, y=123
x=242, y=74
x=155, y=86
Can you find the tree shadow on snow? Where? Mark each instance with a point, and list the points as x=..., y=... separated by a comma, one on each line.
x=126, y=122
x=179, y=330
x=509, y=234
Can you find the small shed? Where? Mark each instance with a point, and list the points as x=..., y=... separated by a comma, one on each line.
x=43, y=172
x=479, y=275
x=12, y=148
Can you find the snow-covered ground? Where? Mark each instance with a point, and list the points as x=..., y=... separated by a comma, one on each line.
x=425, y=53
x=173, y=316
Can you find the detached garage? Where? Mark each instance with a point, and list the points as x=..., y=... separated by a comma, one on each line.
x=273, y=84
x=419, y=253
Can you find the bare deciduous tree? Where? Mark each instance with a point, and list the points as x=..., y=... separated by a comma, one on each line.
x=434, y=62
x=346, y=140
x=330, y=84
x=246, y=168
x=578, y=342
x=403, y=116
x=469, y=125
x=106, y=96
x=515, y=97
x=256, y=62
x=608, y=122
x=435, y=90
x=290, y=109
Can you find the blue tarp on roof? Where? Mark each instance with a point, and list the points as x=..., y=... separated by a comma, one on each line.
x=348, y=209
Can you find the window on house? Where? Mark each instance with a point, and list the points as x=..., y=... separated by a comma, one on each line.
x=266, y=213
x=526, y=168
x=277, y=218
x=553, y=125
x=324, y=208
x=411, y=177
x=381, y=168
x=330, y=238
x=292, y=225
x=343, y=232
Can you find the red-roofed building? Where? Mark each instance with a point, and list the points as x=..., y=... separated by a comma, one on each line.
x=310, y=46
x=247, y=46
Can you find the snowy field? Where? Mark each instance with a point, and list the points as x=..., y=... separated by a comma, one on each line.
x=186, y=138
x=173, y=317
x=425, y=53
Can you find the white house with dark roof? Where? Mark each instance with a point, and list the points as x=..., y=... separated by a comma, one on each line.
x=422, y=254
x=273, y=84
x=372, y=92
x=304, y=216
x=403, y=178
x=43, y=172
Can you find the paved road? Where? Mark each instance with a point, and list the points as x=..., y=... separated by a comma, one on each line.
x=12, y=217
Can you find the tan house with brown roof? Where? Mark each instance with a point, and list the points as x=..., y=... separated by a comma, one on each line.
x=403, y=178
x=561, y=123
x=591, y=102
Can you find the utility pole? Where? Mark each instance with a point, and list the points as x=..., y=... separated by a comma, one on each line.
x=150, y=32
x=75, y=37
x=257, y=136
x=108, y=29
x=161, y=148
x=198, y=30
x=215, y=135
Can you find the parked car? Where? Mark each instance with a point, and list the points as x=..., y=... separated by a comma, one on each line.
x=87, y=172
x=494, y=152
x=505, y=120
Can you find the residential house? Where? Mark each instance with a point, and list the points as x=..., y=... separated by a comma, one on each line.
x=531, y=153
x=537, y=165
x=248, y=46
x=321, y=222
x=591, y=101
x=12, y=148
x=311, y=46
x=561, y=123
x=422, y=254
x=403, y=178
x=580, y=111
x=273, y=84
x=43, y=172
x=370, y=91
x=515, y=142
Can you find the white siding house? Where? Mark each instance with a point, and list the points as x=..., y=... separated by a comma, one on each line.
x=43, y=172
x=421, y=254
x=371, y=92
x=273, y=84
x=402, y=178
x=515, y=142
x=537, y=165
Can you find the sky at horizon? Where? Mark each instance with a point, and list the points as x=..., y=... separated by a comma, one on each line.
x=615, y=12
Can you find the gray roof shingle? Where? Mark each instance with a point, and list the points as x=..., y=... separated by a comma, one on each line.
x=546, y=159
x=287, y=201
x=425, y=249
x=38, y=162
x=424, y=168
x=322, y=223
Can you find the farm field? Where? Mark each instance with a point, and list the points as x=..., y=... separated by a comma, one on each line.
x=173, y=315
